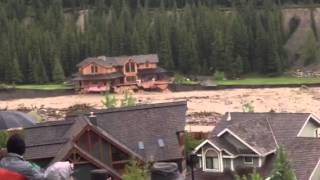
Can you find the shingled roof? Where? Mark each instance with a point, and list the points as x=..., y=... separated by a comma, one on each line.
x=265, y=131
x=124, y=126
x=120, y=60
x=147, y=124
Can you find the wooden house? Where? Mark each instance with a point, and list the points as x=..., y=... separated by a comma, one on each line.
x=100, y=74
x=249, y=141
x=148, y=133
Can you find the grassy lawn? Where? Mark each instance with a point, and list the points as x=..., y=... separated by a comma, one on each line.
x=44, y=86
x=269, y=81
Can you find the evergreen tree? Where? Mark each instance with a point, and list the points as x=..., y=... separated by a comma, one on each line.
x=282, y=169
x=13, y=73
x=57, y=71
x=310, y=50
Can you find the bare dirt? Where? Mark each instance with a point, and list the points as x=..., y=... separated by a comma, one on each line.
x=219, y=101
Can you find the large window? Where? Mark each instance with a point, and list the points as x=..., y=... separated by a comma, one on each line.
x=130, y=67
x=118, y=155
x=212, y=160
x=94, y=69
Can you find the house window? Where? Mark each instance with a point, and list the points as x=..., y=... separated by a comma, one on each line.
x=200, y=162
x=130, y=67
x=212, y=160
x=317, y=133
x=118, y=155
x=94, y=69
x=131, y=79
x=248, y=160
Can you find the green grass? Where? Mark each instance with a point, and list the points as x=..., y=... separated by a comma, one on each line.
x=44, y=86
x=269, y=81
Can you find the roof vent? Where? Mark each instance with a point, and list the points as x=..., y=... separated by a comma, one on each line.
x=141, y=145
x=93, y=118
x=229, y=116
x=160, y=142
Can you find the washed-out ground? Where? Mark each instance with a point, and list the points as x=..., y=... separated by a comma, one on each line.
x=302, y=99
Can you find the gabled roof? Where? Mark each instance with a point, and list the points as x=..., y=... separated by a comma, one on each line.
x=146, y=123
x=125, y=127
x=265, y=131
x=120, y=60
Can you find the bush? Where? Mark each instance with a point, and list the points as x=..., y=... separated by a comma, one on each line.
x=110, y=101
x=219, y=76
x=134, y=171
x=3, y=138
x=180, y=79
x=128, y=100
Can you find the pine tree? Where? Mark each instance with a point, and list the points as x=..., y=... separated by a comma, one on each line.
x=310, y=50
x=13, y=71
x=57, y=71
x=32, y=76
x=282, y=169
x=240, y=41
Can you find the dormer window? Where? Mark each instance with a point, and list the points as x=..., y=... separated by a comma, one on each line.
x=94, y=69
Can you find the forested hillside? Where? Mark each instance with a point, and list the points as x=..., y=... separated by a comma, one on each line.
x=40, y=40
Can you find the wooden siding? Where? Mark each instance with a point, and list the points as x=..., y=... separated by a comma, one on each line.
x=147, y=66
x=101, y=70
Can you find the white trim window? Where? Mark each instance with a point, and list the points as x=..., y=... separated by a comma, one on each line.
x=248, y=160
x=211, y=160
x=199, y=162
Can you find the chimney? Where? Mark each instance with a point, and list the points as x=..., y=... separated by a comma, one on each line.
x=229, y=116
x=93, y=118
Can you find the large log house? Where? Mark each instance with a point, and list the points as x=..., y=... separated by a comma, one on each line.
x=100, y=74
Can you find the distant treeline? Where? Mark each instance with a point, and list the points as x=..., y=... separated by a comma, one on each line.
x=40, y=43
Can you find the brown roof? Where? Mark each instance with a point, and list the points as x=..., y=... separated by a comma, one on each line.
x=263, y=131
x=120, y=60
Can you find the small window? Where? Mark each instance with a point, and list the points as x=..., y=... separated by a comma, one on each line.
x=199, y=162
x=317, y=133
x=141, y=145
x=94, y=69
x=248, y=160
x=160, y=142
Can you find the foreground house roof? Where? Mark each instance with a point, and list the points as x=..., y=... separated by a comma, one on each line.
x=125, y=128
x=263, y=133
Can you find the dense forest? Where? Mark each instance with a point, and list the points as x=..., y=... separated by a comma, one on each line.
x=41, y=41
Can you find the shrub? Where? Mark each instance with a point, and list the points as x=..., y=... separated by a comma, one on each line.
x=247, y=107
x=134, y=171
x=128, y=100
x=180, y=79
x=3, y=138
x=110, y=101
x=218, y=76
